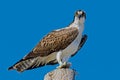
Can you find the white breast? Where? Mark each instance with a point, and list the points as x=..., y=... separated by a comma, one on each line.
x=73, y=47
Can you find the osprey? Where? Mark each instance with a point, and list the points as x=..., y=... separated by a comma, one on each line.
x=56, y=47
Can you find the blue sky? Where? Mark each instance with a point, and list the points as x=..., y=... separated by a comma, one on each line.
x=24, y=22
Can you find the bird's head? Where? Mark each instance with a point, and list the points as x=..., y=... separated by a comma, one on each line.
x=80, y=16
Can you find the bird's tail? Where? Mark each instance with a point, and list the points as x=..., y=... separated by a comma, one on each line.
x=22, y=65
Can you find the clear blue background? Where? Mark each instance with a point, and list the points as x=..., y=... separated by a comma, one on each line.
x=24, y=22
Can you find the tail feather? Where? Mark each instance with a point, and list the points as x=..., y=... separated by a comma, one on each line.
x=22, y=65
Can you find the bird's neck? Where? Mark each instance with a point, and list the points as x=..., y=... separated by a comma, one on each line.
x=78, y=25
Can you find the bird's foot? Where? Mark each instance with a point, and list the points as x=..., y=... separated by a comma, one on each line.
x=64, y=65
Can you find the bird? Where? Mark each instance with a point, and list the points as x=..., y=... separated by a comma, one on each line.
x=56, y=47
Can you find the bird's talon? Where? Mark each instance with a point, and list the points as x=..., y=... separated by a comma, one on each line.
x=64, y=65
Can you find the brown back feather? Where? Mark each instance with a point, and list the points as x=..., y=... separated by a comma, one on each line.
x=53, y=42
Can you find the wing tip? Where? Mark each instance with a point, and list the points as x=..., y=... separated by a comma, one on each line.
x=85, y=36
x=10, y=68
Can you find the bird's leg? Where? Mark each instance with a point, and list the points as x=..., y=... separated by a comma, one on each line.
x=58, y=57
x=62, y=63
x=65, y=59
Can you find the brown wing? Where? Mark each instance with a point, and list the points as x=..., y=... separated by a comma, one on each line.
x=53, y=42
